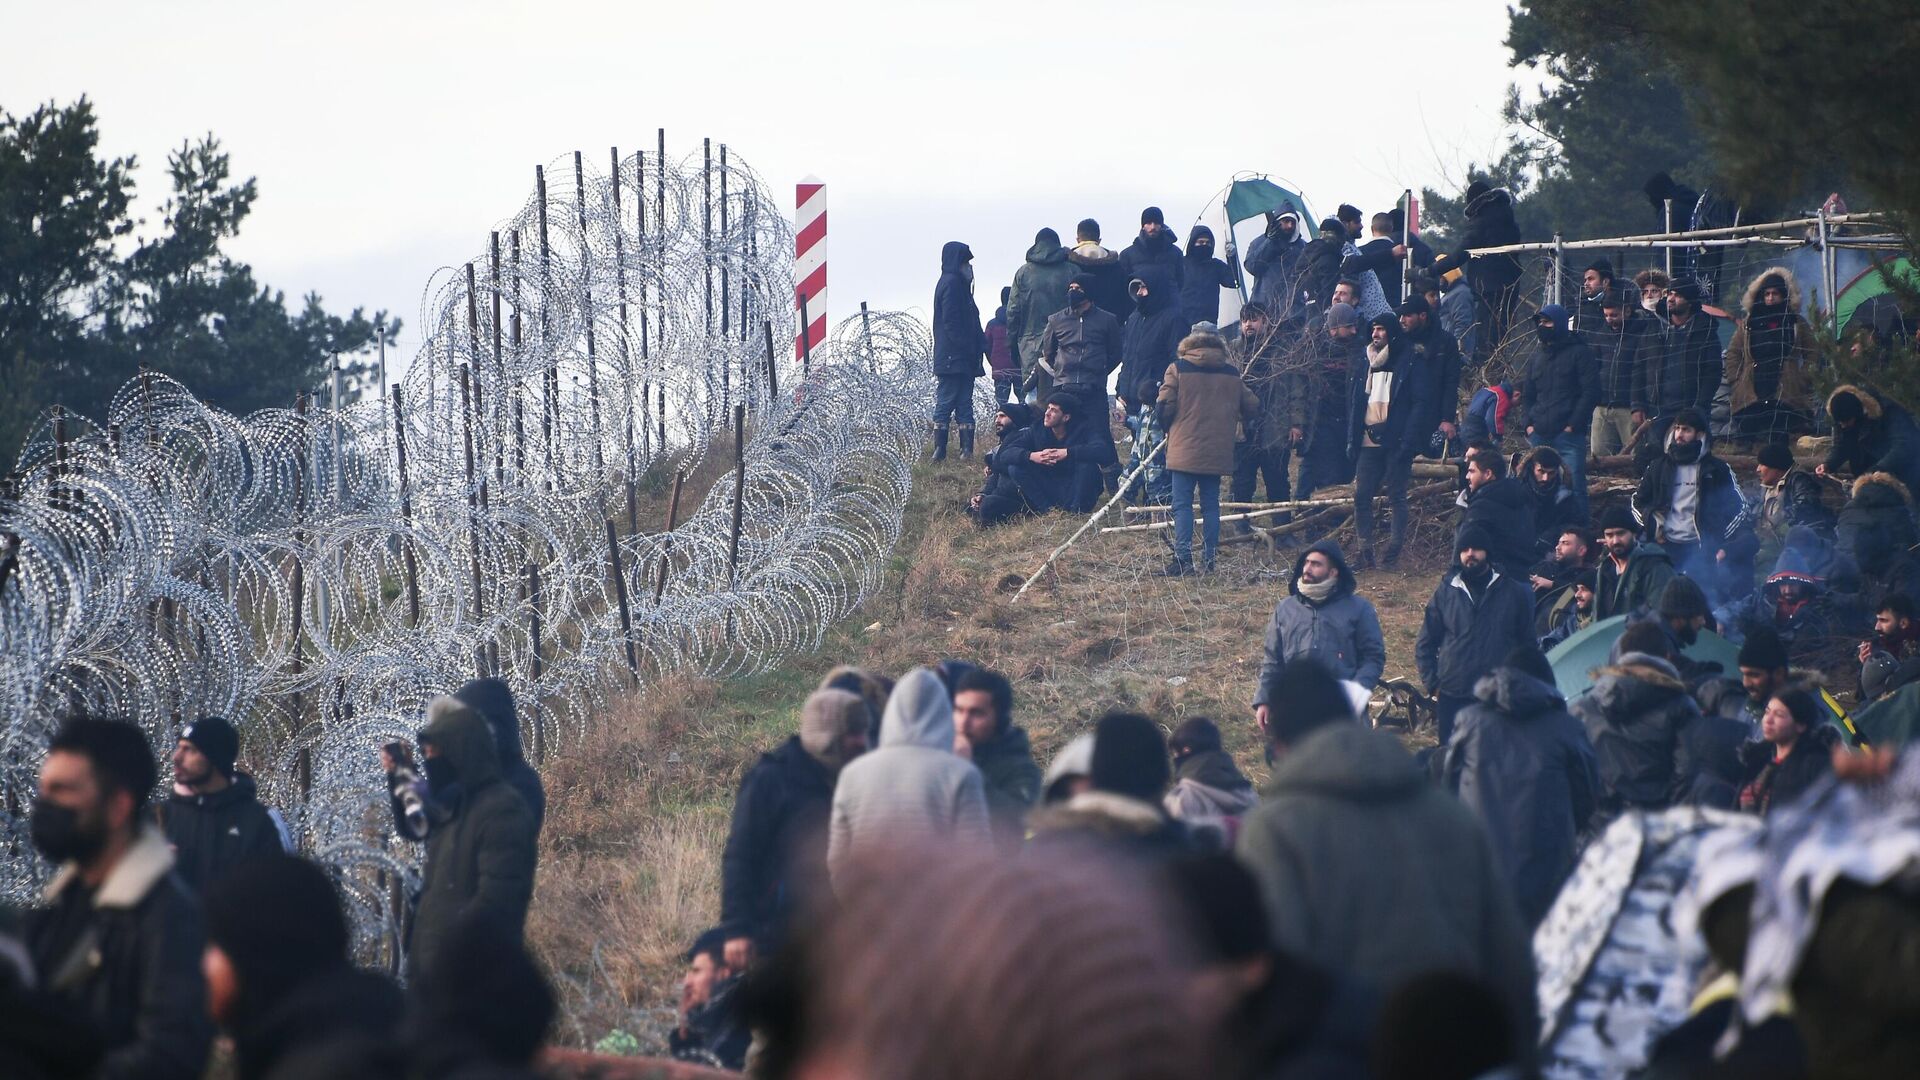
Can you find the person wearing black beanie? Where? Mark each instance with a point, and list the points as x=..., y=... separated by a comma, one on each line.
x=1122, y=811
x=1701, y=517
x=280, y=979
x=1790, y=497
x=214, y=818
x=1764, y=668
x=1154, y=247
x=1476, y=617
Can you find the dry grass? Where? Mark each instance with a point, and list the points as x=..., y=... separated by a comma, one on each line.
x=638, y=810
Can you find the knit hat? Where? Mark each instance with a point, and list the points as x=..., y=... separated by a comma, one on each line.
x=1074, y=760
x=1019, y=412
x=1414, y=305
x=1387, y=320
x=1342, y=314
x=1152, y=215
x=1305, y=697
x=215, y=738
x=1476, y=537
x=279, y=921
x=1618, y=517
x=1844, y=406
x=1060, y=967
x=1603, y=265
x=1332, y=225
x=1692, y=417
x=828, y=717
x=1763, y=650
x=1590, y=577
x=1683, y=599
x=1529, y=660
x=1776, y=456
x=1687, y=289
x=1285, y=214
x=1084, y=282
x=1130, y=757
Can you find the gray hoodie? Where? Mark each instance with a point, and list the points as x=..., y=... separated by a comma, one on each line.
x=913, y=789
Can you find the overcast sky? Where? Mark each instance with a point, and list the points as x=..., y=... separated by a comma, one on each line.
x=387, y=138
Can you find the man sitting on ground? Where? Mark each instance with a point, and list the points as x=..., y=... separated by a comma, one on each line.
x=1792, y=603
x=1000, y=498
x=1691, y=498
x=1892, y=659
x=1556, y=505
x=1210, y=793
x=1062, y=461
x=1577, y=615
x=1633, y=572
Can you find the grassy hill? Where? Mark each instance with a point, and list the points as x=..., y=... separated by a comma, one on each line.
x=638, y=809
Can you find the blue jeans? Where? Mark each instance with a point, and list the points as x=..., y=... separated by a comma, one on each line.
x=1183, y=485
x=953, y=397
x=1572, y=448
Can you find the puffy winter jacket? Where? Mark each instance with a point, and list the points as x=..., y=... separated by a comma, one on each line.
x=1109, y=292
x=959, y=346
x=481, y=847
x=1158, y=250
x=1462, y=638
x=1276, y=266
x=1201, y=278
x=1490, y=223
x=1624, y=355
x=1525, y=767
x=1771, y=355
x=211, y=833
x=1505, y=508
x=1436, y=359
x=1201, y=405
x=1883, y=440
x=1636, y=714
x=912, y=789
x=1039, y=290
x=1563, y=387
x=775, y=861
x=1342, y=631
x=1685, y=372
x=1877, y=523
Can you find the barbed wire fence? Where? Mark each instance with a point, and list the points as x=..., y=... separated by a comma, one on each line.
x=318, y=573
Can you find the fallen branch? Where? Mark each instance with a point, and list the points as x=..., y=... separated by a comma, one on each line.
x=1283, y=508
x=1126, y=482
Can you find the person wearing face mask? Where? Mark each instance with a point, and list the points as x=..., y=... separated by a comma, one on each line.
x=1318, y=419
x=1561, y=391
x=1275, y=261
x=1702, y=520
x=480, y=848
x=959, y=347
x=1769, y=362
x=1149, y=344
x=1320, y=264
x=1153, y=247
x=1081, y=348
x=1202, y=276
x=118, y=941
x=213, y=819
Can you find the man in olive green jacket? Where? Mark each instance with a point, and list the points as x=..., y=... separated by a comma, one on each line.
x=1039, y=290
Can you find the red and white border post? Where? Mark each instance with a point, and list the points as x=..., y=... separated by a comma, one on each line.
x=810, y=263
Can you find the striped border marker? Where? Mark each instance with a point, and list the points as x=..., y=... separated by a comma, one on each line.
x=810, y=261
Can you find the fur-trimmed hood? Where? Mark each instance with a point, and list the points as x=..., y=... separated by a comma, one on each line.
x=146, y=861
x=1869, y=401
x=1103, y=813
x=1882, y=479
x=1752, y=296
x=1203, y=349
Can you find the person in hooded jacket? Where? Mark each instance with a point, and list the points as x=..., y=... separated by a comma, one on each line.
x=1792, y=602
x=1871, y=434
x=1546, y=478
x=1562, y=390
x=1080, y=348
x=1476, y=617
x=1501, y=505
x=1108, y=287
x=214, y=820
x=999, y=748
x=1386, y=397
x=481, y=846
x=1155, y=247
x=1525, y=767
x=1122, y=811
x=1274, y=260
x=1701, y=518
x=959, y=346
x=1150, y=340
x=1686, y=368
x=1202, y=276
x=1322, y=617
x=1636, y=715
x=1319, y=266
x=493, y=700
x=1494, y=278
x=1202, y=404
x=775, y=861
x=912, y=789
x=1769, y=362
x=1209, y=791
x=1039, y=290
x=1366, y=867
x=282, y=983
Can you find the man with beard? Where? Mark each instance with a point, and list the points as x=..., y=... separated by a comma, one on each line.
x=1476, y=617
x=1319, y=418
x=1387, y=395
x=1892, y=659
x=1322, y=617
x=213, y=819
x=1064, y=456
x=1259, y=355
x=1577, y=615
x=1691, y=498
x=1624, y=342
x=1555, y=505
x=1596, y=285
x=1685, y=372
x=1202, y=276
x=1153, y=247
x=1570, y=557
x=1275, y=261
x=1562, y=389
x=1633, y=572
x=120, y=937
x=1499, y=504
x=1039, y=290
x=1320, y=264
x=985, y=734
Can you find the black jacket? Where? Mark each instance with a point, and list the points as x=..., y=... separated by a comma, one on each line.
x=1049, y=487
x=1084, y=348
x=1884, y=440
x=1505, y=508
x=776, y=855
x=1721, y=513
x=1649, y=568
x=1462, y=638
x=1624, y=356
x=959, y=345
x=1201, y=278
x=1109, y=292
x=1436, y=359
x=492, y=699
x=343, y=1023
x=1686, y=368
x=481, y=845
x=1376, y=257
x=1554, y=508
x=1276, y=268
x=1563, y=386
x=1490, y=223
x=1877, y=523
x=1150, y=341
x=1158, y=250
x=1525, y=767
x=1811, y=759
x=210, y=833
x=1407, y=409
x=128, y=958
x=1637, y=713
x=1319, y=270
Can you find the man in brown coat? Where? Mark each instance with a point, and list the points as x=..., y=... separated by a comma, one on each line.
x=1201, y=406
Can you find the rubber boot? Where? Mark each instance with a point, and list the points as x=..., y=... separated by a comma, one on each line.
x=940, y=442
x=1396, y=540
x=966, y=442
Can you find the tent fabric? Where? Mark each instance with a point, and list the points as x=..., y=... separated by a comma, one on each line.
x=1253, y=197
x=1893, y=720
x=1870, y=283
x=1574, y=659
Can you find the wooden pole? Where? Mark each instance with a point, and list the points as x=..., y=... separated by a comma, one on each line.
x=618, y=577
x=666, y=549
x=1281, y=508
x=407, y=557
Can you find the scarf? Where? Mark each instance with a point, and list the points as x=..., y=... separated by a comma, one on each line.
x=1379, y=390
x=1317, y=592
